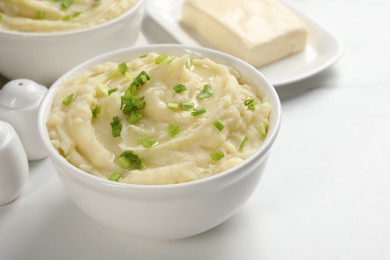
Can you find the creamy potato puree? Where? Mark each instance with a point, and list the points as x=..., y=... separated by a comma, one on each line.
x=58, y=15
x=198, y=119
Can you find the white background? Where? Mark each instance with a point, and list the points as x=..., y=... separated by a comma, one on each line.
x=325, y=193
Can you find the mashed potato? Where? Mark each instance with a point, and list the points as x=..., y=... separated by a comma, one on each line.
x=58, y=15
x=157, y=119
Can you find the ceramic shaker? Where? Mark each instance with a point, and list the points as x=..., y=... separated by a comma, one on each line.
x=19, y=103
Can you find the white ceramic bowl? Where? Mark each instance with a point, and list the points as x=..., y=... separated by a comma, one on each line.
x=43, y=57
x=165, y=211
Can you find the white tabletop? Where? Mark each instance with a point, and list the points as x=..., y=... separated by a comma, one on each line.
x=325, y=193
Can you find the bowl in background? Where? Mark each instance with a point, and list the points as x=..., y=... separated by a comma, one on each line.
x=165, y=211
x=43, y=57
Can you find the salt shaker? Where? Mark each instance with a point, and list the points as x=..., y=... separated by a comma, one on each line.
x=19, y=103
x=13, y=164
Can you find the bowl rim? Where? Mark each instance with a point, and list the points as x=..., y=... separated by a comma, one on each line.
x=83, y=30
x=261, y=152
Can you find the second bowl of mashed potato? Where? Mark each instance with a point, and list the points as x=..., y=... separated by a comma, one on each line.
x=41, y=40
x=164, y=141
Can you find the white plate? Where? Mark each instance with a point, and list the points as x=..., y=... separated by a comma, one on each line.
x=322, y=50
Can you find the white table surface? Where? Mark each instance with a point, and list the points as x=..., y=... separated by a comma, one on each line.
x=324, y=195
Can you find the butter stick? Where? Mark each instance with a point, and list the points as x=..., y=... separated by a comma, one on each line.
x=257, y=31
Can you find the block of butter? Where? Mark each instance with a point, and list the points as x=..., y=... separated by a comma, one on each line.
x=257, y=31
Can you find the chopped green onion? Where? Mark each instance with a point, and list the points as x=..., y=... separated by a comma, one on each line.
x=164, y=59
x=143, y=56
x=68, y=99
x=146, y=142
x=179, y=88
x=170, y=60
x=130, y=106
x=130, y=103
x=186, y=106
x=122, y=68
x=172, y=106
x=217, y=155
x=96, y=110
x=66, y=3
x=198, y=111
x=263, y=129
x=160, y=59
x=250, y=103
x=132, y=90
x=124, y=163
x=173, y=130
x=116, y=126
x=115, y=176
x=70, y=16
x=206, y=92
x=128, y=158
x=140, y=80
x=40, y=15
x=243, y=143
x=219, y=125
x=189, y=64
x=110, y=91
x=134, y=117
x=1, y=18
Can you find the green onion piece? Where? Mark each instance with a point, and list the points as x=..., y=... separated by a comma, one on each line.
x=164, y=59
x=217, y=155
x=189, y=64
x=160, y=59
x=70, y=16
x=131, y=103
x=179, y=88
x=170, y=59
x=122, y=68
x=66, y=18
x=110, y=91
x=65, y=4
x=243, y=143
x=124, y=163
x=96, y=110
x=132, y=90
x=206, y=92
x=198, y=111
x=146, y=142
x=115, y=176
x=140, y=80
x=134, y=117
x=1, y=18
x=172, y=106
x=40, y=15
x=219, y=125
x=173, y=130
x=143, y=56
x=68, y=99
x=132, y=160
x=263, y=129
x=250, y=103
x=116, y=126
x=186, y=106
